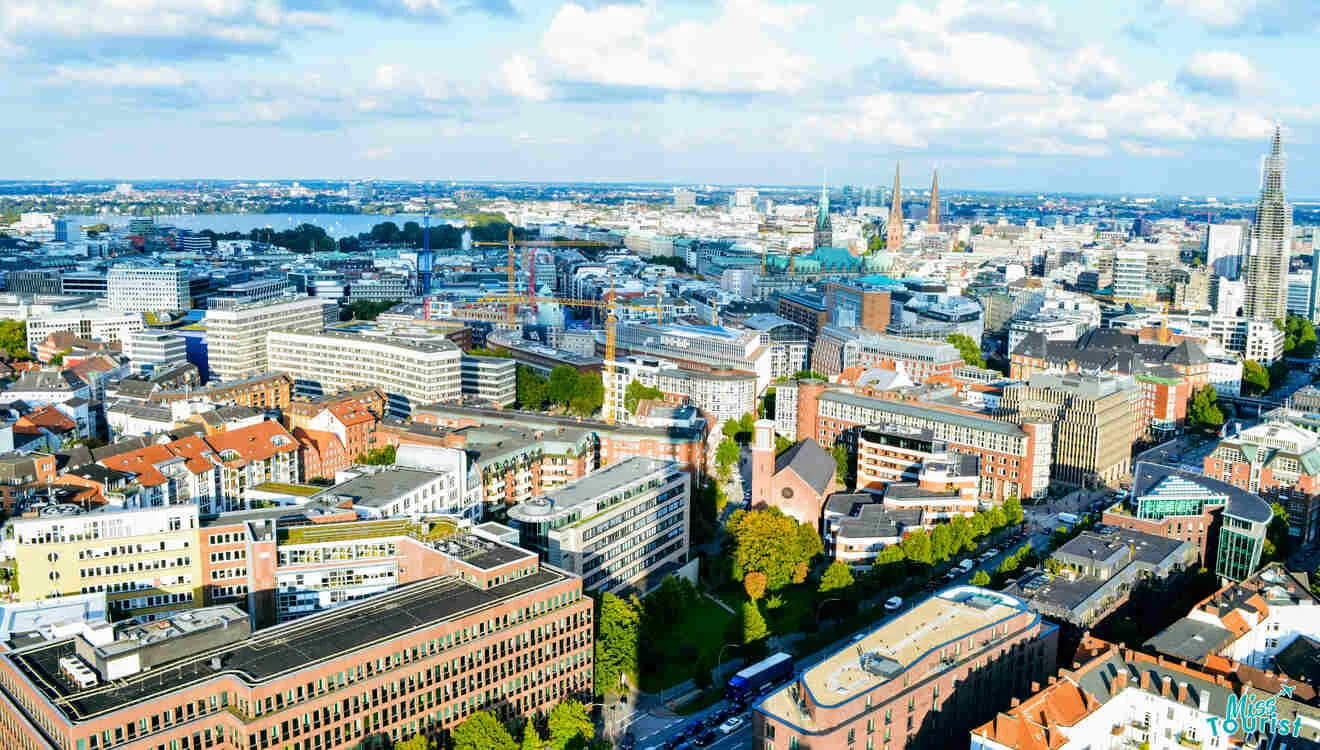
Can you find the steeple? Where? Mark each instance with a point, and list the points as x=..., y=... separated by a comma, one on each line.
x=824, y=235
x=894, y=238
x=933, y=214
x=1271, y=240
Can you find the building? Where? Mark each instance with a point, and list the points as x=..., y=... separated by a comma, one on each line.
x=1270, y=243
x=915, y=471
x=95, y=323
x=807, y=309
x=724, y=395
x=702, y=347
x=442, y=487
x=1224, y=246
x=410, y=373
x=1225, y=523
x=145, y=561
x=837, y=349
x=1094, y=423
x=490, y=380
x=858, y=526
x=858, y=305
x=147, y=289
x=155, y=349
x=236, y=332
x=1130, y=279
x=1279, y=460
x=919, y=680
x=260, y=392
x=894, y=227
x=1114, y=697
x=383, y=286
x=570, y=526
x=349, y=668
x=796, y=481
x=823, y=236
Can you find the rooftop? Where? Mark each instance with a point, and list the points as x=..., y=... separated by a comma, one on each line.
x=278, y=651
x=379, y=488
x=920, y=411
x=591, y=488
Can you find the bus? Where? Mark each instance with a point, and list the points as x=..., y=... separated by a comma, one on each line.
x=754, y=680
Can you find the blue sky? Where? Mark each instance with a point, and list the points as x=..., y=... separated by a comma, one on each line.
x=1173, y=96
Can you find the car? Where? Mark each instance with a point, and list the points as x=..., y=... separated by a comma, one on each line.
x=705, y=738
x=893, y=603
x=712, y=721
x=693, y=729
x=732, y=725
x=672, y=743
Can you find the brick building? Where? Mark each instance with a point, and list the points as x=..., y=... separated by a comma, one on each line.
x=258, y=392
x=1280, y=460
x=796, y=481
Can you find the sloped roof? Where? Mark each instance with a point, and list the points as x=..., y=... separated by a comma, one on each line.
x=810, y=462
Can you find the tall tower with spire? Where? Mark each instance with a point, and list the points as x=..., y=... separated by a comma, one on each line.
x=1271, y=240
x=824, y=235
x=894, y=238
x=933, y=213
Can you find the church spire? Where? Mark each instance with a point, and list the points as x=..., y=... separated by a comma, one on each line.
x=894, y=238
x=933, y=214
x=824, y=236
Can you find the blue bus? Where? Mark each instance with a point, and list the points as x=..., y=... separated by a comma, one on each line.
x=754, y=680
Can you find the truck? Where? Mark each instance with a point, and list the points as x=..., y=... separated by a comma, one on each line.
x=757, y=678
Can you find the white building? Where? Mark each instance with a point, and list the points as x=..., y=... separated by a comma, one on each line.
x=236, y=333
x=147, y=289
x=492, y=380
x=1130, y=280
x=97, y=323
x=154, y=349
x=411, y=373
x=1224, y=249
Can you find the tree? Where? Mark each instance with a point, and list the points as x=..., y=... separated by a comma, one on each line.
x=968, y=349
x=569, y=722
x=767, y=541
x=1276, y=534
x=981, y=578
x=941, y=543
x=888, y=566
x=1203, y=411
x=917, y=548
x=726, y=457
x=1013, y=511
x=383, y=456
x=531, y=739
x=588, y=396
x=741, y=429
x=533, y=389
x=636, y=393
x=754, y=585
x=842, y=464
x=996, y=518
x=1299, y=336
x=753, y=624
x=415, y=742
x=618, y=640
x=1255, y=378
x=563, y=382
x=365, y=309
x=57, y=359
x=704, y=676
x=481, y=731
x=809, y=375
x=13, y=338
x=837, y=576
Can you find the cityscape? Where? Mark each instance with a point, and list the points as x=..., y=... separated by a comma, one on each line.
x=756, y=375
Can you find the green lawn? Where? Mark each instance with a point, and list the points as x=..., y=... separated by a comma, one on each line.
x=701, y=632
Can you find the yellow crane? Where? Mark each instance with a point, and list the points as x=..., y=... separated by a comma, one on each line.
x=512, y=268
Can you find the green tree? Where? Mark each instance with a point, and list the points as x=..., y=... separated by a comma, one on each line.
x=531, y=739
x=563, y=383
x=1277, y=541
x=1013, y=511
x=981, y=578
x=481, y=731
x=13, y=338
x=809, y=375
x=568, y=723
x=767, y=410
x=1299, y=337
x=837, y=576
x=533, y=390
x=366, y=309
x=941, y=543
x=888, y=566
x=498, y=352
x=842, y=465
x=767, y=541
x=1203, y=411
x=704, y=676
x=754, y=585
x=383, y=456
x=967, y=349
x=741, y=429
x=753, y=623
x=726, y=457
x=57, y=359
x=415, y=742
x=636, y=393
x=588, y=396
x=917, y=548
x=618, y=640
x=1255, y=378
x=996, y=518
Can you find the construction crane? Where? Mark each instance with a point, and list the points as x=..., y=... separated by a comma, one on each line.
x=512, y=268
x=611, y=325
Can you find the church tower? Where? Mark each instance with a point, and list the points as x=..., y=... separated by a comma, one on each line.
x=824, y=235
x=894, y=240
x=933, y=214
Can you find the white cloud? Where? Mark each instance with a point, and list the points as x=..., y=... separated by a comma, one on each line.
x=119, y=76
x=742, y=50
x=1222, y=73
x=1247, y=17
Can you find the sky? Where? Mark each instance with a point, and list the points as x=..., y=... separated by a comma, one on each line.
x=1133, y=97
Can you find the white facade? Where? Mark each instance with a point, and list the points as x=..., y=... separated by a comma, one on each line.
x=147, y=289
x=1130, y=281
x=491, y=380
x=99, y=324
x=236, y=334
x=411, y=374
x=1224, y=245
x=155, y=349
x=1226, y=375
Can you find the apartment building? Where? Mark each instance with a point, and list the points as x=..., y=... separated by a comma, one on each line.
x=155, y=349
x=147, y=289
x=696, y=347
x=236, y=332
x=724, y=395
x=1226, y=524
x=145, y=561
x=412, y=374
x=1014, y=456
x=419, y=659
x=838, y=349
x=261, y=392
x=96, y=323
x=489, y=380
x=1094, y=418
x=919, y=680
x=624, y=527
x=331, y=433
x=916, y=472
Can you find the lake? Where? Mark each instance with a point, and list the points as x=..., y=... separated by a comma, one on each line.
x=336, y=225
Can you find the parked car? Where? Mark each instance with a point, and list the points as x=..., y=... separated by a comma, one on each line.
x=706, y=738
x=893, y=603
x=731, y=725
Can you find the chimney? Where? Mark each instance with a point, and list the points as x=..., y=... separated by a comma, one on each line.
x=1035, y=687
x=1182, y=692
x=1145, y=680
x=1120, y=681
x=1165, y=686
x=1015, y=703
x=1204, y=703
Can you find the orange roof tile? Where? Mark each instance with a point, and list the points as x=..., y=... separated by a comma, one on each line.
x=351, y=412
x=253, y=443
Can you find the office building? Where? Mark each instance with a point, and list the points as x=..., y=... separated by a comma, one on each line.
x=724, y=395
x=1226, y=524
x=806, y=308
x=236, y=333
x=919, y=680
x=858, y=526
x=419, y=659
x=838, y=349
x=249, y=292
x=84, y=283
x=1094, y=418
x=410, y=373
x=100, y=324
x=624, y=527
x=1298, y=301
x=1224, y=246
x=33, y=282
x=147, y=289
x=684, y=198
x=1130, y=280
x=1270, y=244
x=702, y=347
x=155, y=349
x=915, y=471
x=381, y=286
x=1278, y=459
x=858, y=305
x=490, y=380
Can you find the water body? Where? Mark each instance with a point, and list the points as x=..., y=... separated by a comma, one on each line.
x=336, y=225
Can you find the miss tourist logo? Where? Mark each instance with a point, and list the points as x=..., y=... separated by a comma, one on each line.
x=1251, y=713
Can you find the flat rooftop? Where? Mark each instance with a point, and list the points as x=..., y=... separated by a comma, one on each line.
x=279, y=651
x=886, y=652
x=380, y=488
x=599, y=483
